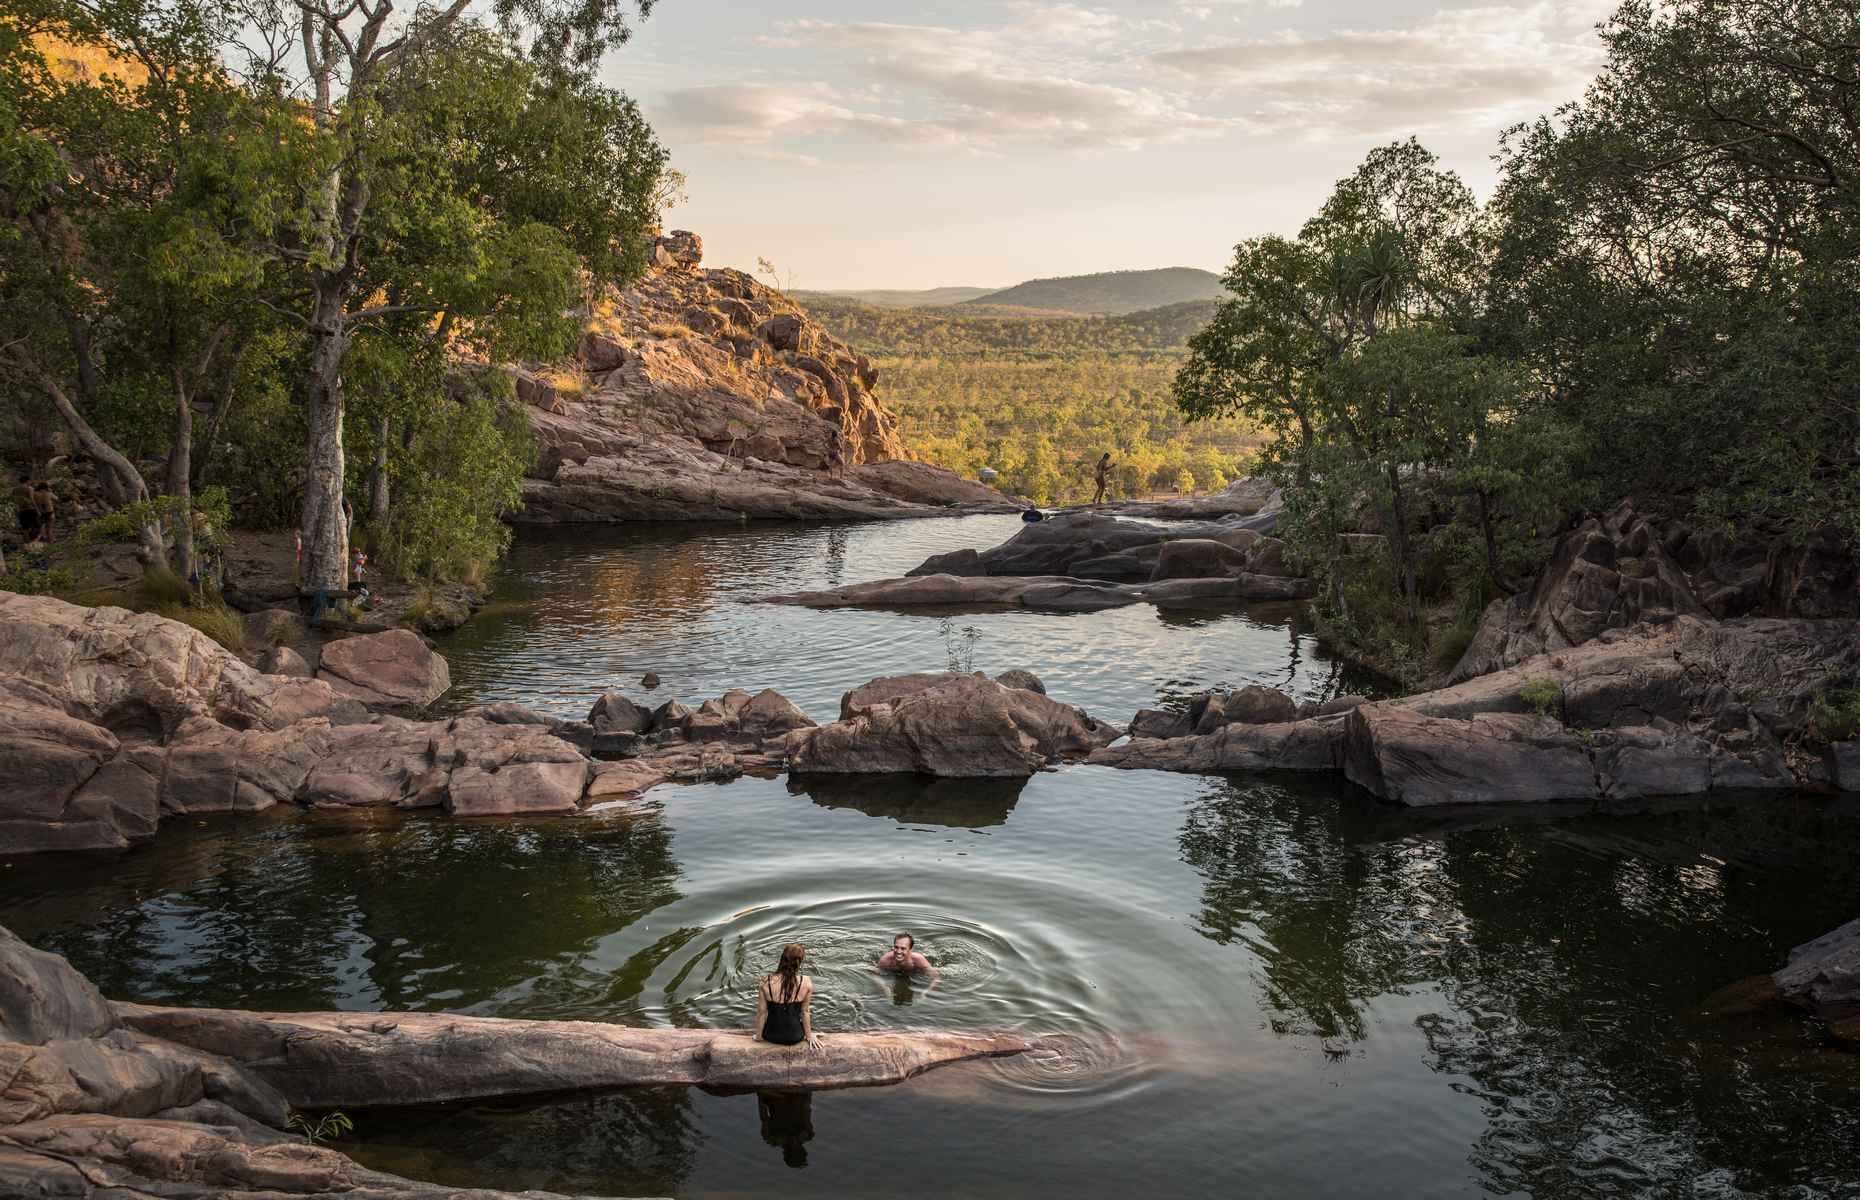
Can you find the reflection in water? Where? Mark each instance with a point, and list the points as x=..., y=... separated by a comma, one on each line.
x=915, y=799
x=788, y=1123
x=581, y=611
x=1323, y=994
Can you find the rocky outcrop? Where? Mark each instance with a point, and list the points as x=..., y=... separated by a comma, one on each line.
x=1675, y=709
x=1055, y=593
x=1257, y=499
x=1092, y=545
x=396, y=668
x=949, y=725
x=700, y=394
x=104, y=1099
x=1618, y=570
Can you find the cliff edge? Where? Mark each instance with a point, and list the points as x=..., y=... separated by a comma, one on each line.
x=700, y=394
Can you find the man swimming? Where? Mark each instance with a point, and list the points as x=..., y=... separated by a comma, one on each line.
x=903, y=959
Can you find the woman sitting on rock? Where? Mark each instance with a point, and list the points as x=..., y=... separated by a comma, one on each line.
x=785, y=1002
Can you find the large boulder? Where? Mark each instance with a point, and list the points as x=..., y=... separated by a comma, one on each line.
x=44, y=999
x=1405, y=756
x=679, y=250
x=391, y=669
x=614, y=713
x=964, y=726
x=1823, y=975
x=139, y=675
x=1025, y=680
x=1197, y=558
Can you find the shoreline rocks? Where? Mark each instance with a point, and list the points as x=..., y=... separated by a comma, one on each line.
x=105, y=1098
x=1676, y=709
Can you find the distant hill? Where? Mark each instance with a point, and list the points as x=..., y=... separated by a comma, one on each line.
x=970, y=329
x=1110, y=293
x=900, y=298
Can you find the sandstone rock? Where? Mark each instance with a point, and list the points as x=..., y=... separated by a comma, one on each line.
x=526, y=788
x=1492, y=757
x=1610, y=572
x=1052, y=593
x=770, y=713
x=599, y=352
x=1155, y=723
x=141, y=674
x=1025, y=680
x=43, y=998
x=614, y=713
x=365, y=1060
x=669, y=717
x=506, y=712
x=962, y=726
x=649, y=680
x=678, y=250
x=1255, y=704
x=1266, y=556
x=1242, y=498
x=1052, y=547
x=392, y=668
x=1823, y=975
x=1314, y=745
x=1198, y=558
x=282, y=660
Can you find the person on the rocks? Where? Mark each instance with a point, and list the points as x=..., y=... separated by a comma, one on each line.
x=26, y=512
x=785, y=1002
x=903, y=959
x=1103, y=476
x=836, y=454
x=45, y=503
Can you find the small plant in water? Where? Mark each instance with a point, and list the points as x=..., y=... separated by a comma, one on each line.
x=326, y=1128
x=959, y=644
x=1543, y=694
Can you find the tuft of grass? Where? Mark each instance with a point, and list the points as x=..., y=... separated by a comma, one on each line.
x=161, y=588
x=1837, y=715
x=1543, y=694
x=660, y=329
x=211, y=617
x=1450, y=645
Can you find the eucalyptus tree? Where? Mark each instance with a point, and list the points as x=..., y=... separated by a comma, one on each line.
x=135, y=179
x=354, y=59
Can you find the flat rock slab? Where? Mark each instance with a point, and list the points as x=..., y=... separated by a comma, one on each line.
x=1823, y=976
x=380, y=1060
x=392, y=668
x=1055, y=593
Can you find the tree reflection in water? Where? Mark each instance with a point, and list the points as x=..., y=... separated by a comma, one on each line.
x=1566, y=948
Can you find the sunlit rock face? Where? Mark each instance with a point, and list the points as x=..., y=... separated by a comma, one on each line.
x=699, y=394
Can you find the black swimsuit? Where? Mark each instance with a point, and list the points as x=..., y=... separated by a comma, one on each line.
x=783, y=1024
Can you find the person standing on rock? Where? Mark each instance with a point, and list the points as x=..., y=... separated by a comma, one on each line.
x=836, y=454
x=1103, y=476
x=785, y=1002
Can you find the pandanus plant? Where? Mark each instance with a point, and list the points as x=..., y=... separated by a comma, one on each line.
x=1370, y=278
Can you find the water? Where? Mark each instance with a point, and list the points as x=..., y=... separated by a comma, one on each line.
x=581, y=611
x=1247, y=984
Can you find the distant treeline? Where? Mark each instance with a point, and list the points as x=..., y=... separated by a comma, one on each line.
x=1039, y=398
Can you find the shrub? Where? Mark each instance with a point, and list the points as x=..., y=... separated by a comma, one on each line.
x=1543, y=694
x=40, y=581
x=1837, y=715
x=161, y=589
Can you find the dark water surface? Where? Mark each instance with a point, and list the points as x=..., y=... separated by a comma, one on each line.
x=1250, y=986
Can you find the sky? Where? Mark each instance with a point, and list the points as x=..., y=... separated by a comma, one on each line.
x=983, y=142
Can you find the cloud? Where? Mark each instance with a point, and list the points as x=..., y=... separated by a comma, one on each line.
x=1067, y=76
x=1459, y=65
